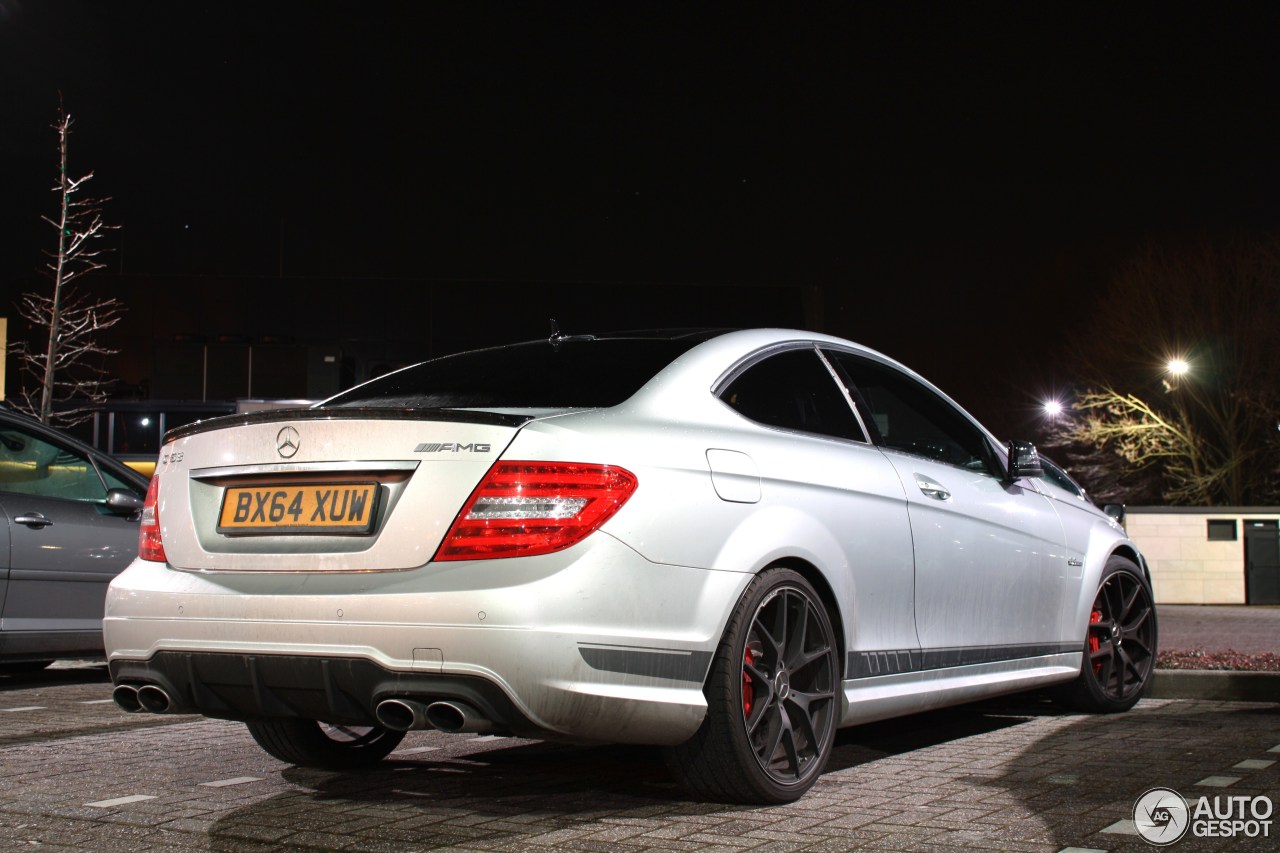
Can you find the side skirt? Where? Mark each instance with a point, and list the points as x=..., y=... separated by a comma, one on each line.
x=880, y=697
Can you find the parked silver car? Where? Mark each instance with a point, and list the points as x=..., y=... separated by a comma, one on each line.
x=71, y=524
x=724, y=544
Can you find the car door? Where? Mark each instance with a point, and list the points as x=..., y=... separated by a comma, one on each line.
x=815, y=459
x=65, y=544
x=989, y=554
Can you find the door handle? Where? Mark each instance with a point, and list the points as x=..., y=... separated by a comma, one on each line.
x=930, y=489
x=34, y=520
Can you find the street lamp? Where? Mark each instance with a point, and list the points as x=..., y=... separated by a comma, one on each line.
x=1052, y=408
x=1177, y=368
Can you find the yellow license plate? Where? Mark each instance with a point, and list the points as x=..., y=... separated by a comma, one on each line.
x=314, y=508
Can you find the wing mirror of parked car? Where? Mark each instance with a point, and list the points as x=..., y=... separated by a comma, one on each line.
x=123, y=502
x=1024, y=461
x=1116, y=511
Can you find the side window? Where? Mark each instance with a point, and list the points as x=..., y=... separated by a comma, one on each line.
x=914, y=419
x=32, y=466
x=114, y=482
x=1061, y=479
x=793, y=390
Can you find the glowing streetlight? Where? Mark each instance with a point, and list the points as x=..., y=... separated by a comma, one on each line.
x=1177, y=368
x=1052, y=408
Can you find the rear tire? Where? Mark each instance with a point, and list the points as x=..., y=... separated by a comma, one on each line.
x=1119, y=645
x=772, y=706
x=308, y=743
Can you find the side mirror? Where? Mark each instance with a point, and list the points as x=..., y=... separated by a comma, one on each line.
x=1024, y=461
x=123, y=502
x=1116, y=511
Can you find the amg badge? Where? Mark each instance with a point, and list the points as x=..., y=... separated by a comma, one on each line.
x=451, y=448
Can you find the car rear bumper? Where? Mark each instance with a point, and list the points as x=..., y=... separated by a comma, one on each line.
x=592, y=643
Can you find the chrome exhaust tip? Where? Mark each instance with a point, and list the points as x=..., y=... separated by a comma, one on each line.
x=126, y=698
x=457, y=717
x=154, y=699
x=402, y=715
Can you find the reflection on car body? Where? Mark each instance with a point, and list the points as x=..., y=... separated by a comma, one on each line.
x=726, y=545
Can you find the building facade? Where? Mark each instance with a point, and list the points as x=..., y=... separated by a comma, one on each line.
x=1210, y=555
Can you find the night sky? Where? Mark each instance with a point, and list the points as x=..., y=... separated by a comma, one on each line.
x=954, y=184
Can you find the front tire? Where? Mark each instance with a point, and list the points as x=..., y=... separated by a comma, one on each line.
x=1120, y=643
x=772, y=706
x=308, y=743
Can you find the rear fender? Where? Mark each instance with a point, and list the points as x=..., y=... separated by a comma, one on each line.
x=783, y=536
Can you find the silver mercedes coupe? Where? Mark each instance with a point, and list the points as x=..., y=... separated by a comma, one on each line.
x=723, y=544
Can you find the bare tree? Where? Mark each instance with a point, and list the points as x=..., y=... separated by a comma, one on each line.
x=1115, y=428
x=67, y=370
x=1208, y=437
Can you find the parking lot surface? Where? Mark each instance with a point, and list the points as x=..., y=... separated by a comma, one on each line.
x=1253, y=629
x=76, y=773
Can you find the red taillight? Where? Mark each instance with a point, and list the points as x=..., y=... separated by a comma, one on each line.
x=150, y=545
x=525, y=508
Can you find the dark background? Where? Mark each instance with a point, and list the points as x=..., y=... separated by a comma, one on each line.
x=954, y=184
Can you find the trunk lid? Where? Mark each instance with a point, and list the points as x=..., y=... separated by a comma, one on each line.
x=322, y=490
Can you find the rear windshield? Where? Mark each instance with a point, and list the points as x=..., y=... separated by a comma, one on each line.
x=590, y=373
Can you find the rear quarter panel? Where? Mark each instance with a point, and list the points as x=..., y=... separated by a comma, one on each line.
x=835, y=505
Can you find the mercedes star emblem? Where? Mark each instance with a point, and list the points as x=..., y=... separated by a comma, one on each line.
x=287, y=441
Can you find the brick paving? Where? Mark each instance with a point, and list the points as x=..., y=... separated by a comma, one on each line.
x=78, y=774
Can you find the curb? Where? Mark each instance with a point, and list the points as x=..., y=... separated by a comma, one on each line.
x=1214, y=684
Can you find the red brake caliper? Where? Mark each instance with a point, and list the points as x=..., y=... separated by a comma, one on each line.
x=1094, y=643
x=748, y=695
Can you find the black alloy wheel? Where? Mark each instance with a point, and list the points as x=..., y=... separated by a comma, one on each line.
x=1120, y=642
x=772, y=698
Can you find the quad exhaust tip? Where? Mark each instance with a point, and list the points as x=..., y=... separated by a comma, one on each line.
x=399, y=714
x=148, y=697
x=403, y=714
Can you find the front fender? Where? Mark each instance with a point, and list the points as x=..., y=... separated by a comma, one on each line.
x=1104, y=542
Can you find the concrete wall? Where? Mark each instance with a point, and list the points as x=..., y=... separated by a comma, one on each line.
x=1187, y=568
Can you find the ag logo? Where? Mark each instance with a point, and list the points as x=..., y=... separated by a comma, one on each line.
x=1161, y=816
